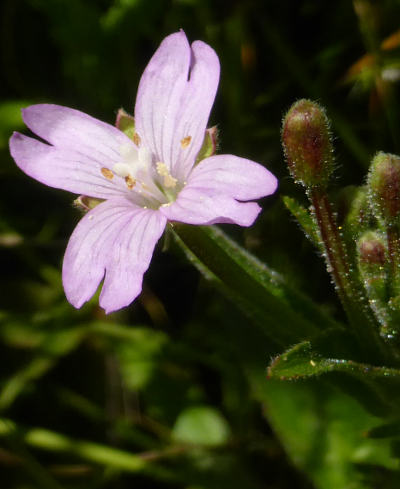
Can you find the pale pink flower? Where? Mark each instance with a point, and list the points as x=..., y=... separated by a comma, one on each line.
x=145, y=181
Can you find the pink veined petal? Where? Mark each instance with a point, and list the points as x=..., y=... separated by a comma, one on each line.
x=197, y=101
x=159, y=94
x=116, y=240
x=195, y=206
x=230, y=175
x=71, y=129
x=63, y=168
x=175, y=96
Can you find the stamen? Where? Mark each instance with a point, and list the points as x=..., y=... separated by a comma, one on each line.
x=106, y=172
x=130, y=181
x=162, y=170
x=186, y=141
x=169, y=181
x=136, y=139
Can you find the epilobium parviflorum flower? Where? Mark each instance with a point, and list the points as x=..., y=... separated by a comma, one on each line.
x=145, y=180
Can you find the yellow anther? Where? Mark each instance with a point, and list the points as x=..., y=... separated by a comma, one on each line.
x=106, y=172
x=169, y=181
x=186, y=141
x=162, y=170
x=130, y=182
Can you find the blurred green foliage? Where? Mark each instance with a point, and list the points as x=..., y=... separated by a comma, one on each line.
x=172, y=392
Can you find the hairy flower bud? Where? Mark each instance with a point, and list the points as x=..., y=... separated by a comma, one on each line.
x=371, y=249
x=384, y=187
x=372, y=261
x=307, y=144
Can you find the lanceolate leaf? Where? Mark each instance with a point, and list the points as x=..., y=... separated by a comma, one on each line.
x=304, y=219
x=261, y=293
x=302, y=361
x=375, y=387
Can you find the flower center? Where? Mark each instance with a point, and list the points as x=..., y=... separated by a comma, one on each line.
x=151, y=181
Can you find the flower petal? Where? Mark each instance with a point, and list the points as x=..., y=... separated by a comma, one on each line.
x=196, y=206
x=175, y=96
x=71, y=129
x=230, y=175
x=63, y=168
x=117, y=239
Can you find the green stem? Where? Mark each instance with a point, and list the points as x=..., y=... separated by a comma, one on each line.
x=93, y=452
x=393, y=242
x=361, y=317
x=335, y=253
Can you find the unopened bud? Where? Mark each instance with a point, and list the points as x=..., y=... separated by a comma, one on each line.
x=371, y=249
x=307, y=144
x=384, y=187
x=373, y=272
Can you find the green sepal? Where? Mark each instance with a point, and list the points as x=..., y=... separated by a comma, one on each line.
x=210, y=144
x=85, y=203
x=125, y=123
x=304, y=218
x=285, y=314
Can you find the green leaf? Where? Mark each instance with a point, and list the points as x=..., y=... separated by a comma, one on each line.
x=139, y=356
x=323, y=432
x=96, y=453
x=201, y=425
x=303, y=361
x=304, y=219
x=375, y=387
x=285, y=314
x=53, y=347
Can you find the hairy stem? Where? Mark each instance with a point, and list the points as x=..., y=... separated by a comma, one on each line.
x=393, y=242
x=361, y=317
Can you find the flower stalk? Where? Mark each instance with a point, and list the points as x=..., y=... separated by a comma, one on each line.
x=393, y=244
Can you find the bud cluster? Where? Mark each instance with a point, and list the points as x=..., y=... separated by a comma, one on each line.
x=363, y=253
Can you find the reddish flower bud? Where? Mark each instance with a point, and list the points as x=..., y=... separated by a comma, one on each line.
x=384, y=187
x=372, y=261
x=371, y=249
x=307, y=144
